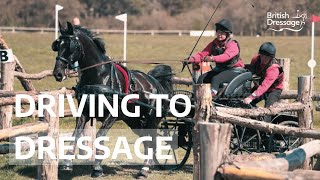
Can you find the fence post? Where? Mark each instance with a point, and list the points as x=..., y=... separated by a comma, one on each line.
x=7, y=80
x=305, y=116
x=214, y=145
x=285, y=63
x=48, y=168
x=203, y=112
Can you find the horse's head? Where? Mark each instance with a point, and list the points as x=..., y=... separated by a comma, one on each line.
x=69, y=50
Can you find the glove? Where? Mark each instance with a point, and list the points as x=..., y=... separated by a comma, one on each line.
x=208, y=59
x=247, y=100
x=193, y=60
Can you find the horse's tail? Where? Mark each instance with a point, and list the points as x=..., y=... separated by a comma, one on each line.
x=163, y=73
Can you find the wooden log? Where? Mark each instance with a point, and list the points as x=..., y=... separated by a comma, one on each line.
x=4, y=93
x=48, y=168
x=31, y=93
x=214, y=147
x=252, y=157
x=26, y=84
x=29, y=128
x=293, y=160
x=38, y=76
x=267, y=127
x=252, y=173
x=203, y=112
x=7, y=80
x=12, y=100
x=305, y=116
x=293, y=94
x=285, y=63
x=257, y=112
x=299, y=174
x=179, y=80
x=290, y=94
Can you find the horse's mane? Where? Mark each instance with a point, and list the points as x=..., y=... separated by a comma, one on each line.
x=98, y=41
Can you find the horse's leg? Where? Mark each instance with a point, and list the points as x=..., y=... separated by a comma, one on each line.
x=152, y=125
x=80, y=123
x=97, y=170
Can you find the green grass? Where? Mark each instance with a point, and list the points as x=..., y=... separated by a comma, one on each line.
x=34, y=52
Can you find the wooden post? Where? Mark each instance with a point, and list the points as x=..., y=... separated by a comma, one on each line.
x=305, y=116
x=214, y=147
x=203, y=112
x=48, y=168
x=7, y=80
x=27, y=84
x=285, y=63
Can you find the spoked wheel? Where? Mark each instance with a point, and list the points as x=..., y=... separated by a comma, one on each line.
x=282, y=143
x=181, y=144
x=245, y=140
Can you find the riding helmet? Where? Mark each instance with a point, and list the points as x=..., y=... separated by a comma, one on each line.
x=224, y=25
x=267, y=49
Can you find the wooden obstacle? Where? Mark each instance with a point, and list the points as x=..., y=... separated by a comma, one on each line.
x=47, y=126
x=262, y=168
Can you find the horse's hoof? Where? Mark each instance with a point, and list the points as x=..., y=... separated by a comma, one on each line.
x=142, y=174
x=96, y=173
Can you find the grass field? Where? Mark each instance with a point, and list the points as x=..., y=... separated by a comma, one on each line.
x=34, y=52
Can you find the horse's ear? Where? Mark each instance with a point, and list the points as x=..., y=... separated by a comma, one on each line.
x=70, y=28
x=62, y=29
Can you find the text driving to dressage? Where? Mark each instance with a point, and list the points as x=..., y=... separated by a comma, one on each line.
x=98, y=104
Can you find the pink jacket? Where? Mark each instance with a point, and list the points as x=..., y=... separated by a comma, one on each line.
x=271, y=75
x=231, y=51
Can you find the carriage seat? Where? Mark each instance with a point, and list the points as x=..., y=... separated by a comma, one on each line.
x=239, y=87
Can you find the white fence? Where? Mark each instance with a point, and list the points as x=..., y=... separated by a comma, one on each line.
x=151, y=32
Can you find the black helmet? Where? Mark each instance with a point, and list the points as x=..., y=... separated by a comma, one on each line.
x=224, y=25
x=267, y=49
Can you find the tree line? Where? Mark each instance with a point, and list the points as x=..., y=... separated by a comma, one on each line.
x=248, y=16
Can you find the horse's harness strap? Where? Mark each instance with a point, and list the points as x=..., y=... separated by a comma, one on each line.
x=112, y=70
x=132, y=83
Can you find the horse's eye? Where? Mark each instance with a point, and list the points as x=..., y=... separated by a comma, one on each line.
x=55, y=45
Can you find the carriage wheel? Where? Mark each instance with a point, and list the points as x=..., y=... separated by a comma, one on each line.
x=245, y=140
x=181, y=133
x=282, y=143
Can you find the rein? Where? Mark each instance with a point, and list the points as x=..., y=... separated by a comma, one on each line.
x=89, y=67
x=112, y=61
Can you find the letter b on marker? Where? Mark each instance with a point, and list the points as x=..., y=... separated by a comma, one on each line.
x=4, y=56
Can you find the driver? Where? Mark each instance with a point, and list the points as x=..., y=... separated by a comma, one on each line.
x=267, y=67
x=225, y=52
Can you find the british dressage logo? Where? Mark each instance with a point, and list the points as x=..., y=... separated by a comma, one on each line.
x=279, y=21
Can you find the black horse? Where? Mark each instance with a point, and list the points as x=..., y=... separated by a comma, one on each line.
x=77, y=44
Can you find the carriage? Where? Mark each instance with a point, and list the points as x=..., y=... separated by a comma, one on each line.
x=243, y=140
x=100, y=75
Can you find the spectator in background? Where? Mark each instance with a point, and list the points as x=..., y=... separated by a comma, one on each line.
x=76, y=21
